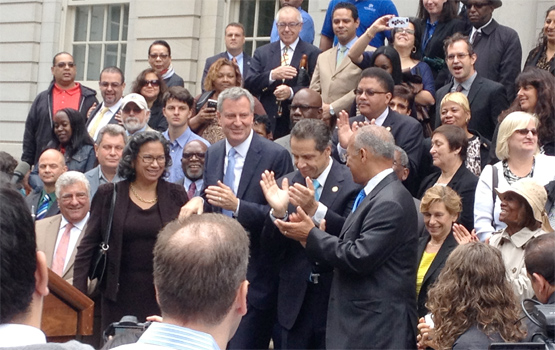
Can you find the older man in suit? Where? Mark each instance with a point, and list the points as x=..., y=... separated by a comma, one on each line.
x=232, y=172
x=373, y=296
x=234, y=44
x=486, y=97
x=324, y=188
x=336, y=76
x=59, y=236
x=275, y=76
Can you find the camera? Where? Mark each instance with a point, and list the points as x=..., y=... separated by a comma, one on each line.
x=127, y=323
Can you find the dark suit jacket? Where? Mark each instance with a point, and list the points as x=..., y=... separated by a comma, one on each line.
x=32, y=201
x=435, y=268
x=487, y=100
x=210, y=61
x=253, y=208
x=373, y=294
x=338, y=195
x=171, y=198
x=464, y=183
x=97, y=110
x=265, y=59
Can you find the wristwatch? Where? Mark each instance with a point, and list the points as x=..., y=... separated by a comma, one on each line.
x=332, y=112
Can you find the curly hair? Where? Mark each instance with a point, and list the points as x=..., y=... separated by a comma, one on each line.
x=212, y=74
x=472, y=290
x=139, y=83
x=441, y=194
x=79, y=135
x=126, y=169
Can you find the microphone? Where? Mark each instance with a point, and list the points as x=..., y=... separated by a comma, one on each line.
x=19, y=172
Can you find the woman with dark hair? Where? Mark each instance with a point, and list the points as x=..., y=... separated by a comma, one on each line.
x=472, y=304
x=449, y=147
x=438, y=21
x=543, y=55
x=151, y=86
x=536, y=95
x=440, y=207
x=145, y=203
x=72, y=139
x=222, y=74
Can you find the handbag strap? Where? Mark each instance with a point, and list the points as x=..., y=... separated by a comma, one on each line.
x=110, y=217
x=494, y=183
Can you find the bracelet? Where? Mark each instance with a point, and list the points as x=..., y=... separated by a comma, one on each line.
x=284, y=218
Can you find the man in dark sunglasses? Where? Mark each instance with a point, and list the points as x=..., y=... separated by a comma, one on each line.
x=63, y=92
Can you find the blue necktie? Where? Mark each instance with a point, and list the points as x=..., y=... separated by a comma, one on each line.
x=41, y=213
x=360, y=197
x=229, y=177
x=316, y=189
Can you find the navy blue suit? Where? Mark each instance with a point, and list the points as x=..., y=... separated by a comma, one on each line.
x=253, y=209
x=265, y=59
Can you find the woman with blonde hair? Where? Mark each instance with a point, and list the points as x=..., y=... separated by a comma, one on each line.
x=472, y=303
x=518, y=151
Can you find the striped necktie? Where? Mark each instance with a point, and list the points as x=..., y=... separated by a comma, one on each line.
x=43, y=208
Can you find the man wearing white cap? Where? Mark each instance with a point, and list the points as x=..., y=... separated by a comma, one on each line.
x=135, y=114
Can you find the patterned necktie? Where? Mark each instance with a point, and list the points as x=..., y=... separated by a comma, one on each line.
x=459, y=88
x=341, y=55
x=61, y=252
x=229, y=177
x=317, y=186
x=360, y=197
x=41, y=212
x=192, y=190
x=97, y=121
x=285, y=56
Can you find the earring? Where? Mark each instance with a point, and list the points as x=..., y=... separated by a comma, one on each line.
x=414, y=49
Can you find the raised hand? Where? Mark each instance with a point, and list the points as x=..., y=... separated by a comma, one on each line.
x=277, y=198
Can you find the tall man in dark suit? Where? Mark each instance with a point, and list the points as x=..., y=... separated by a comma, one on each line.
x=324, y=188
x=234, y=43
x=274, y=73
x=232, y=172
x=373, y=296
x=487, y=98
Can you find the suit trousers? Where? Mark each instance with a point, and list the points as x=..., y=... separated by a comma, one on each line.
x=255, y=330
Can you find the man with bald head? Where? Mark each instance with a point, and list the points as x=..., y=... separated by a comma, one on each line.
x=373, y=256
x=192, y=163
x=42, y=201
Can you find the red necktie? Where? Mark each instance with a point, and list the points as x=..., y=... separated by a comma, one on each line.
x=192, y=190
x=61, y=252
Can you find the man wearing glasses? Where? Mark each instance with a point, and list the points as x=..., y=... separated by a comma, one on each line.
x=63, y=92
x=192, y=164
x=160, y=59
x=486, y=97
x=274, y=71
x=111, y=84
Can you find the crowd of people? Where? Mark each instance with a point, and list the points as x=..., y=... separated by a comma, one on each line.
x=393, y=188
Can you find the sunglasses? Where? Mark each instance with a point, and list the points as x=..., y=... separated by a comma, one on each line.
x=525, y=131
x=64, y=64
x=368, y=92
x=162, y=56
x=153, y=83
x=189, y=155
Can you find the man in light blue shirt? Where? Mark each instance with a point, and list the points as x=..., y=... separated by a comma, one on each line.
x=307, y=32
x=200, y=276
x=177, y=103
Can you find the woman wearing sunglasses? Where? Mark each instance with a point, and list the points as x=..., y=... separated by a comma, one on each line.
x=518, y=151
x=151, y=85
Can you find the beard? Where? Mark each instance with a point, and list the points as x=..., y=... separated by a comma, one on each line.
x=133, y=124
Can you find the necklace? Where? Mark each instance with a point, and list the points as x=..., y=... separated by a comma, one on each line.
x=435, y=244
x=141, y=198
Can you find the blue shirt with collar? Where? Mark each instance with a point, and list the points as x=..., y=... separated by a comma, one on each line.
x=307, y=32
x=176, y=152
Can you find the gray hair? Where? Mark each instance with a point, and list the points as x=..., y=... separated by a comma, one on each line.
x=69, y=178
x=376, y=139
x=234, y=94
x=403, y=157
x=289, y=8
x=112, y=130
x=313, y=129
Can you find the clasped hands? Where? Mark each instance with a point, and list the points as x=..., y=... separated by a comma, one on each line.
x=218, y=195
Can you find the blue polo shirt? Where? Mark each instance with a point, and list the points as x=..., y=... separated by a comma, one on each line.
x=368, y=12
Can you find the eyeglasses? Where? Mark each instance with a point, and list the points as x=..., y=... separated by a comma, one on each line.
x=153, y=83
x=64, y=64
x=368, y=92
x=161, y=56
x=459, y=56
x=128, y=109
x=525, y=131
x=478, y=6
x=290, y=24
x=106, y=84
x=405, y=30
x=303, y=108
x=189, y=155
x=68, y=197
x=148, y=159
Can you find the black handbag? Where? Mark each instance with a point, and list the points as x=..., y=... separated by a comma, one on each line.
x=99, y=260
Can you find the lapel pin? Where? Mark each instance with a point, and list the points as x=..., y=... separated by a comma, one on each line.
x=335, y=189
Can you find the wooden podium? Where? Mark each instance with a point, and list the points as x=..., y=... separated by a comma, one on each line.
x=66, y=312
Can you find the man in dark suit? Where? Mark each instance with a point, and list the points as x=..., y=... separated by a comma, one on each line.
x=373, y=296
x=325, y=190
x=111, y=84
x=487, y=98
x=275, y=74
x=373, y=94
x=232, y=172
x=234, y=44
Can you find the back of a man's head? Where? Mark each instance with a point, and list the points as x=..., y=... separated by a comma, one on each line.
x=17, y=255
x=199, y=266
x=539, y=257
